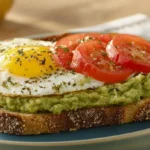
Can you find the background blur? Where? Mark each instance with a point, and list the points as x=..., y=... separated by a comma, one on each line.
x=41, y=16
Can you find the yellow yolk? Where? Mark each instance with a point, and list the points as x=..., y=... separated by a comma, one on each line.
x=28, y=61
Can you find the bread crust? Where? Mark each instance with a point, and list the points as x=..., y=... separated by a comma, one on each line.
x=26, y=124
x=53, y=38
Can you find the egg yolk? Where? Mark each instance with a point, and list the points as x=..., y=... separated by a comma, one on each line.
x=28, y=61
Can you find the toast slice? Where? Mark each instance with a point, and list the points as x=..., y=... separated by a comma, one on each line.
x=26, y=124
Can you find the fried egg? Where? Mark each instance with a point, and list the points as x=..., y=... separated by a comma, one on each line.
x=27, y=68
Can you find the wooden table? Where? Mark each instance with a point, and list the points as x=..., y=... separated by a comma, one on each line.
x=42, y=16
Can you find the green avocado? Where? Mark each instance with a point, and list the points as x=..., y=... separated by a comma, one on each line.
x=133, y=90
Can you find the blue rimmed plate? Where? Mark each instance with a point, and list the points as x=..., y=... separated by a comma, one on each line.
x=119, y=137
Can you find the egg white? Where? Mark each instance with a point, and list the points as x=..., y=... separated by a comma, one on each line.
x=58, y=83
x=61, y=81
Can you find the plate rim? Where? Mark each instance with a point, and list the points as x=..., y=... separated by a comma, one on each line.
x=80, y=142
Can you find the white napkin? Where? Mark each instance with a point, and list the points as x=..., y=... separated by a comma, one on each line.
x=138, y=24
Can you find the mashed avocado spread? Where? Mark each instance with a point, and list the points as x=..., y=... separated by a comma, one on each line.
x=133, y=90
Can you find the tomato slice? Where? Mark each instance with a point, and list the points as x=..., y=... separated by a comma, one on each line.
x=64, y=48
x=131, y=52
x=66, y=45
x=90, y=58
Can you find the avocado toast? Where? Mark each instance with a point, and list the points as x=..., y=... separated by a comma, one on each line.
x=112, y=103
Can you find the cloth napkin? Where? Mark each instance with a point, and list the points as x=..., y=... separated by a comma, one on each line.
x=138, y=24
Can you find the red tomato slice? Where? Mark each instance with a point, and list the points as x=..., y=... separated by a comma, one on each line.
x=90, y=58
x=66, y=45
x=64, y=48
x=131, y=52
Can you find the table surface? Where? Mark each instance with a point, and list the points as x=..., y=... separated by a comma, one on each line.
x=43, y=16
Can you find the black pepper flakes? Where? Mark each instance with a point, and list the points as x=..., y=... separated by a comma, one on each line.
x=103, y=53
x=42, y=62
x=74, y=84
x=9, y=79
x=26, y=88
x=21, y=52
